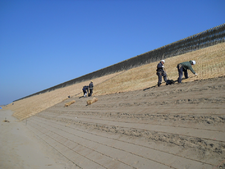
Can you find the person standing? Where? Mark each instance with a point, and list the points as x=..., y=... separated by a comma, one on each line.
x=91, y=86
x=183, y=67
x=85, y=90
x=160, y=72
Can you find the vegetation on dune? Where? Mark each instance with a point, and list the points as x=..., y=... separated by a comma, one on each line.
x=210, y=63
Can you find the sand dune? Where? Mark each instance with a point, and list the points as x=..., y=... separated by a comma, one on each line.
x=179, y=126
x=210, y=63
x=135, y=124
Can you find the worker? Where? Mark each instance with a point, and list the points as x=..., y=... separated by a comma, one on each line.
x=183, y=67
x=161, y=72
x=85, y=90
x=91, y=86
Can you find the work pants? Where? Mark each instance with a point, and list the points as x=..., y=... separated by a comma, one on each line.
x=90, y=92
x=85, y=92
x=180, y=73
x=160, y=74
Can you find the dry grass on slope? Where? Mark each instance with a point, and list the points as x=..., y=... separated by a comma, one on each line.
x=210, y=63
x=30, y=106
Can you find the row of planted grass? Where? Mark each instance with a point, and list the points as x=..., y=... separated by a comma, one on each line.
x=210, y=63
x=30, y=106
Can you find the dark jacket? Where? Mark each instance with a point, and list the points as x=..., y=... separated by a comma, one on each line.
x=85, y=88
x=91, y=85
x=160, y=67
x=187, y=65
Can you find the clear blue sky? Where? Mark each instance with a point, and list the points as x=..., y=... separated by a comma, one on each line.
x=47, y=42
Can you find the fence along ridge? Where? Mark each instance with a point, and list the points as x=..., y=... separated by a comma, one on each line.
x=198, y=41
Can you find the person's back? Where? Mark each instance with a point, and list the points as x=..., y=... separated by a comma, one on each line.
x=183, y=67
x=188, y=65
x=85, y=90
x=85, y=87
x=91, y=86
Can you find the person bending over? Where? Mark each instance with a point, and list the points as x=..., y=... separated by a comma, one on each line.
x=85, y=90
x=183, y=67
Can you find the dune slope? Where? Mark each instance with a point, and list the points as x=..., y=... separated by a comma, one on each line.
x=210, y=64
x=133, y=123
x=176, y=126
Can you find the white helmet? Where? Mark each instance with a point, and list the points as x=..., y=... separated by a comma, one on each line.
x=162, y=61
x=193, y=62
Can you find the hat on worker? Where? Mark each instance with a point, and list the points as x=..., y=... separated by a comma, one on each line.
x=163, y=61
x=193, y=62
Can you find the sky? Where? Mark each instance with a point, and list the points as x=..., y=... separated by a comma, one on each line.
x=47, y=42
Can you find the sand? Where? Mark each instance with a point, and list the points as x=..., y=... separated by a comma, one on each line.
x=174, y=126
x=133, y=124
x=210, y=63
x=20, y=148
